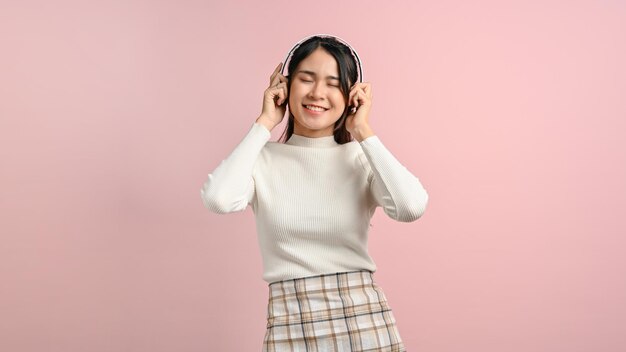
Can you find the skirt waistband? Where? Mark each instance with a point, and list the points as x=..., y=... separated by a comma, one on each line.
x=346, y=278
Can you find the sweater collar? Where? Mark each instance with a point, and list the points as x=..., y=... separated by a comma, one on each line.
x=312, y=142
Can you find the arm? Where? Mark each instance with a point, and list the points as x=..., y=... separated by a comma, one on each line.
x=392, y=185
x=230, y=187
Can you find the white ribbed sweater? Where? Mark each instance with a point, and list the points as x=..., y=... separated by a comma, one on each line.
x=313, y=199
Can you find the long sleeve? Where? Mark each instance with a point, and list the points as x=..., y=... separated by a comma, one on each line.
x=392, y=185
x=230, y=187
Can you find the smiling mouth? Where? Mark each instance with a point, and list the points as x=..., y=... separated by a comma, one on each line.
x=314, y=108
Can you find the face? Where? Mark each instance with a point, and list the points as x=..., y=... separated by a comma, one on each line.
x=316, y=82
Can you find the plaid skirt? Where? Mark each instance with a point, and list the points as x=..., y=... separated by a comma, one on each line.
x=345, y=312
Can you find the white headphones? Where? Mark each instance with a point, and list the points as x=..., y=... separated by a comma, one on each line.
x=354, y=54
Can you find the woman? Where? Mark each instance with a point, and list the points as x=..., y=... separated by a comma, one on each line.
x=313, y=196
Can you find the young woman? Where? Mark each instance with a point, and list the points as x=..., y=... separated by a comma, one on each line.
x=313, y=195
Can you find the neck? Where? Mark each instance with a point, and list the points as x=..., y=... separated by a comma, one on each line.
x=312, y=142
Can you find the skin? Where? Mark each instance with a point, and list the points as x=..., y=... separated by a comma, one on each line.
x=316, y=88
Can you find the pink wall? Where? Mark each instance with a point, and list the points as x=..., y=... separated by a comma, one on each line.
x=113, y=114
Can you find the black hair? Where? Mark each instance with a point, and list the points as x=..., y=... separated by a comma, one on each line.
x=347, y=77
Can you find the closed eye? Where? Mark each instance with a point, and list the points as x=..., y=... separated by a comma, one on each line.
x=309, y=81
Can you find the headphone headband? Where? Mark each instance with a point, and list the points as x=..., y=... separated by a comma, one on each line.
x=354, y=54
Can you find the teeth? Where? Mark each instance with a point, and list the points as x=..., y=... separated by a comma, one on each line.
x=314, y=108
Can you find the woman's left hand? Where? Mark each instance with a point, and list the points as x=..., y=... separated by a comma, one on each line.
x=357, y=123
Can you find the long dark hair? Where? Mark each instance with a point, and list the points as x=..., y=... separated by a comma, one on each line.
x=347, y=77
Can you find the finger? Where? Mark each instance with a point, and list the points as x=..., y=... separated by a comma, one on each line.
x=350, y=97
x=353, y=101
x=367, y=88
x=357, y=95
x=284, y=91
x=275, y=94
x=364, y=98
x=276, y=72
x=281, y=97
x=277, y=69
x=280, y=92
x=362, y=85
x=354, y=89
x=275, y=81
x=278, y=87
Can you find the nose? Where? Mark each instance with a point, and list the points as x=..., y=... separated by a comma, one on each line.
x=317, y=91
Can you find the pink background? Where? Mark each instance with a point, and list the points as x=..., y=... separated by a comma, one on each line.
x=113, y=114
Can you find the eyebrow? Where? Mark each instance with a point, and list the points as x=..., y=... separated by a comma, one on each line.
x=313, y=74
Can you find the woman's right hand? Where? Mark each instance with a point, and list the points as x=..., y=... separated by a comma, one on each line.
x=275, y=98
